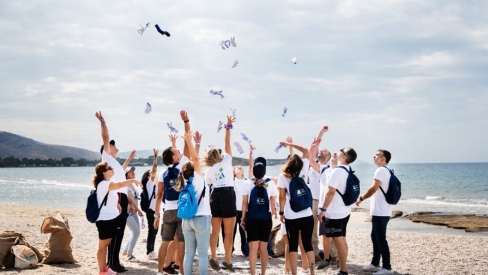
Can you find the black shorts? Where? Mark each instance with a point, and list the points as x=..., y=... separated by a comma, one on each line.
x=336, y=228
x=258, y=230
x=106, y=229
x=223, y=202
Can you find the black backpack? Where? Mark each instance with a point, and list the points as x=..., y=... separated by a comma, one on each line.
x=392, y=196
x=351, y=194
x=92, y=209
x=146, y=199
x=300, y=194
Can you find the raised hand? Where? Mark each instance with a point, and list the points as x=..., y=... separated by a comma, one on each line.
x=197, y=137
x=184, y=115
x=99, y=116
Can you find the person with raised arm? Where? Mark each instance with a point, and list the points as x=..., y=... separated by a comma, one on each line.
x=167, y=191
x=223, y=197
x=296, y=221
x=149, y=185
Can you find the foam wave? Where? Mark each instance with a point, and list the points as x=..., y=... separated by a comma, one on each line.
x=434, y=198
x=49, y=182
x=468, y=204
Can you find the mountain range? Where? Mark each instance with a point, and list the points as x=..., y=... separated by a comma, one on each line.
x=12, y=145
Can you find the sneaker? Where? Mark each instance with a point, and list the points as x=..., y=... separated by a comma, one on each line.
x=213, y=263
x=229, y=267
x=152, y=256
x=342, y=273
x=383, y=271
x=169, y=271
x=371, y=267
x=131, y=258
x=107, y=271
x=323, y=264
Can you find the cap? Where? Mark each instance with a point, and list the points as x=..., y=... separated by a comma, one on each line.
x=112, y=142
x=129, y=169
x=259, y=168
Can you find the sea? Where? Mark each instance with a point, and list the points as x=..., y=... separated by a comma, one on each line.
x=458, y=188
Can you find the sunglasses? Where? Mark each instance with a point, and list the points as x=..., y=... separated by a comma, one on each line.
x=342, y=150
x=110, y=168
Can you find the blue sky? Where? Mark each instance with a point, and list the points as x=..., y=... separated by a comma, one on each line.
x=407, y=76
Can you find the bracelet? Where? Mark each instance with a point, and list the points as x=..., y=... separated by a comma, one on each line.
x=228, y=127
x=156, y=216
x=282, y=213
x=361, y=198
x=185, y=121
x=322, y=209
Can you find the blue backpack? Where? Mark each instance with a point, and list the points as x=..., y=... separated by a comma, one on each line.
x=300, y=194
x=351, y=194
x=92, y=209
x=146, y=200
x=187, y=201
x=392, y=196
x=258, y=208
x=170, y=178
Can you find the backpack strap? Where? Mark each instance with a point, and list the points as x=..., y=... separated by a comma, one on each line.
x=391, y=173
x=153, y=195
x=190, y=181
x=348, y=171
x=325, y=168
x=104, y=202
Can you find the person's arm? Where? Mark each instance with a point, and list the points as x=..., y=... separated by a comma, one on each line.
x=186, y=121
x=154, y=169
x=129, y=159
x=371, y=190
x=272, y=205
x=198, y=139
x=228, y=148
x=290, y=140
x=282, y=202
x=105, y=135
x=193, y=153
x=311, y=160
x=251, y=160
x=298, y=147
x=244, y=211
x=315, y=153
x=121, y=184
x=328, y=199
x=159, y=199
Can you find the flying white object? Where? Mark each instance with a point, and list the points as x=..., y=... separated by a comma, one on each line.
x=173, y=129
x=220, y=126
x=294, y=60
x=224, y=44
x=233, y=42
x=239, y=147
x=217, y=93
x=279, y=147
x=234, y=64
x=285, y=109
x=245, y=138
x=233, y=112
x=142, y=29
x=148, y=108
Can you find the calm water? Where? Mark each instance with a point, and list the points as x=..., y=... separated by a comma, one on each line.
x=457, y=188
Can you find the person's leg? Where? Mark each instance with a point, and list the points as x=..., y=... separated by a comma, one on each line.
x=253, y=256
x=315, y=236
x=163, y=248
x=306, y=229
x=190, y=244
x=202, y=234
x=102, y=253
x=287, y=255
x=264, y=256
x=376, y=249
x=303, y=254
x=119, y=235
x=229, y=224
x=170, y=256
x=168, y=231
x=242, y=234
x=133, y=224
x=292, y=230
x=151, y=232
x=181, y=246
x=214, y=237
x=381, y=225
x=341, y=246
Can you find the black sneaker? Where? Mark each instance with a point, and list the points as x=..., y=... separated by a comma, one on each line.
x=169, y=271
x=213, y=263
x=229, y=267
x=323, y=264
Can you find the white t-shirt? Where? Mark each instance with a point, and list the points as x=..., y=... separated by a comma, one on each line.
x=284, y=182
x=220, y=174
x=119, y=173
x=172, y=205
x=109, y=211
x=379, y=206
x=270, y=188
x=324, y=187
x=204, y=206
x=337, y=179
x=132, y=192
x=149, y=186
x=239, y=189
x=314, y=181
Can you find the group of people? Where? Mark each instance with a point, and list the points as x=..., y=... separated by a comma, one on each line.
x=229, y=201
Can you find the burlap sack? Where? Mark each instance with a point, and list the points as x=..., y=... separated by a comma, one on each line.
x=24, y=256
x=277, y=241
x=9, y=239
x=58, y=247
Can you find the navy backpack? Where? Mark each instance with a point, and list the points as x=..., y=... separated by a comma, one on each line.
x=392, y=196
x=258, y=208
x=351, y=194
x=92, y=209
x=146, y=199
x=300, y=194
x=170, y=178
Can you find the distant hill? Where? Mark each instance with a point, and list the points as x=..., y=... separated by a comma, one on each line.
x=22, y=147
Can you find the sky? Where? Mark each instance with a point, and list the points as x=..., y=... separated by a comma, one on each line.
x=406, y=76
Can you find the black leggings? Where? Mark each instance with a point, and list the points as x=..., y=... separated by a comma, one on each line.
x=294, y=227
x=114, y=246
x=151, y=232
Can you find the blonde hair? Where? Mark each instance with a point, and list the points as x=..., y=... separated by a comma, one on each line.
x=212, y=157
x=186, y=172
x=292, y=166
x=99, y=170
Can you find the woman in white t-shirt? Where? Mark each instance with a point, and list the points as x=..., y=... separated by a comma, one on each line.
x=296, y=222
x=239, y=188
x=106, y=222
x=197, y=229
x=223, y=198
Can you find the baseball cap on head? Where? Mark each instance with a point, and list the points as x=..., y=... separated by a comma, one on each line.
x=259, y=168
x=129, y=169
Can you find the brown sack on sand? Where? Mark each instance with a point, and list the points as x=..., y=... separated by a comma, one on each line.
x=58, y=248
x=9, y=239
x=277, y=241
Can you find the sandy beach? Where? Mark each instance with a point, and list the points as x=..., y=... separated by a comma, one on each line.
x=416, y=251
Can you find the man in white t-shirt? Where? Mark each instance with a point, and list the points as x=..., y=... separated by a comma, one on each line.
x=109, y=153
x=380, y=211
x=168, y=179
x=334, y=213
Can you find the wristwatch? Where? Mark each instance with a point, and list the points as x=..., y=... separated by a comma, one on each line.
x=156, y=215
x=282, y=213
x=361, y=198
x=322, y=209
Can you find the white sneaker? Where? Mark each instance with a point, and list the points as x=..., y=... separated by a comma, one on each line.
x=152, y=256
x=159, y=273
x=383, y=271
x=371, y=267
x=131, y=258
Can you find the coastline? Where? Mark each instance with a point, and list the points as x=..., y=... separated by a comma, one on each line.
x=413, y=250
